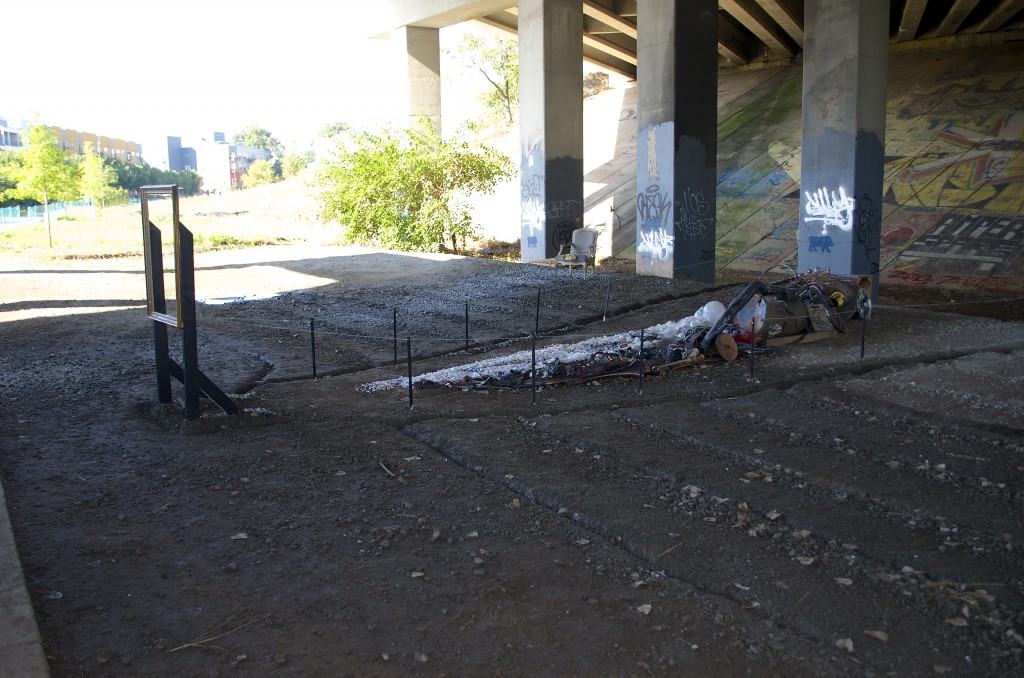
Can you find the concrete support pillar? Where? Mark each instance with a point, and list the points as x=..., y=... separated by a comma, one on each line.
x=419, y=60
x=551, y=123
x=845, y=72
x=677, y=137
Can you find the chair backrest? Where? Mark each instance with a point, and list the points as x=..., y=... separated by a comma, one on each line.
x=583, y=241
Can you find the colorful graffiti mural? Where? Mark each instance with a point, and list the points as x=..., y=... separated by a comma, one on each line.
x=953, y=187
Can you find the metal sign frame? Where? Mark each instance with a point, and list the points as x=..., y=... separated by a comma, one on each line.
x=184, y=318
x=156, y=301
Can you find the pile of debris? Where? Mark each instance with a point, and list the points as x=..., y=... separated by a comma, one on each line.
x=763, y=316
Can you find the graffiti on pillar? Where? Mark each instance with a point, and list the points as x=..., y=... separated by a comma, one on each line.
x=830, y=208
x=562, y=234
x=820, y=243
x=532, y=208
x=694, y=217
x=653, y=173
x=869, y=227
x=653, y=208
x=563, y=209
x=656, y=244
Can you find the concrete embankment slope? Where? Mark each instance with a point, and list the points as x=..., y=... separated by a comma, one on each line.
x=954, y=172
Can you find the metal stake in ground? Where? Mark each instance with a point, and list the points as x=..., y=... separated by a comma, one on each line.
x=408, y=354
x=751, y=348
x=863, y=332
x=467, y=325
x=607, y=296
x=641, y=361
x=312, y=345
x=536, y=322
x=533, y=365
x=394, y=327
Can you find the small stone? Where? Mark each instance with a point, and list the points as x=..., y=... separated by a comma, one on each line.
x=422, y=658
x=845, y=644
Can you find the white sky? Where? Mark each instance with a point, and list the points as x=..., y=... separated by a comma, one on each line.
x=143, y=70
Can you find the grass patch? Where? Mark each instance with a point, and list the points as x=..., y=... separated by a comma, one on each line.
x=277, y=214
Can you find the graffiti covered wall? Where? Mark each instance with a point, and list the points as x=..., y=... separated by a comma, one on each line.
x=953, y=190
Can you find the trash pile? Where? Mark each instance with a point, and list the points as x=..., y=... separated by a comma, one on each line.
x=764, y=315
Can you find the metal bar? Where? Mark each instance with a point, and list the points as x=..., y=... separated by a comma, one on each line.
x=312, y=345
x=467, y=325
x=161, y=350
x=408, y=356
x=607, y=296
x=394, y=327
x=863, y=332
x=752, y=348
x=533, y=368
x=536, y=322
x=641, y=361
x=190, y=332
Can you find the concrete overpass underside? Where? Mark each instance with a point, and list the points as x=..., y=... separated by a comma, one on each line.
x=905, y=119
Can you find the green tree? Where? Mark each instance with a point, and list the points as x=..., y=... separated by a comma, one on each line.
x=292, y=164
x=333, y=129
x=99, y=180
x=10, y=168
x=132, y=177
x=47, y=172
x=260, y=173
x=407, y=190
x=257, y=137
x=498, y=60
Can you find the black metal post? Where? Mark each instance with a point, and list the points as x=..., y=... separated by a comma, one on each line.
x=190, y=331
x=467, y=325
x=408, y=353
x=536, y=322
x=751, y=348
x=312, y=345
x=863, y=332
x=533, y=368
x=641, y=361
x=607, y=296
x=394, y=327
x=161, y=346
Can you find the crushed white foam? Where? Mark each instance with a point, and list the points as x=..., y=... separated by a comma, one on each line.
x=521, y=360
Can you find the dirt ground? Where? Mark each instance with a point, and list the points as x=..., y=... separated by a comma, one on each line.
x=829, y=515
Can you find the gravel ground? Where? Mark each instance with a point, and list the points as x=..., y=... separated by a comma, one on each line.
x=826, y=515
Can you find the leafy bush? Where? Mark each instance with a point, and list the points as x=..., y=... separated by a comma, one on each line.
x=407, y=189
x=260, y=173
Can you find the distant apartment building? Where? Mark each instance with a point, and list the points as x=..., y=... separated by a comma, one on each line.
x=11, y=138
x=74, y=142
x=221, y=164
x=127, y=152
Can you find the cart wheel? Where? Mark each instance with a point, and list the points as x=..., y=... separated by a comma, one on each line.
x=726, y=347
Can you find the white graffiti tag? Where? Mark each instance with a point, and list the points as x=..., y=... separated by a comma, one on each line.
x=830, y=209
x=657, y=243
x=533, y=216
